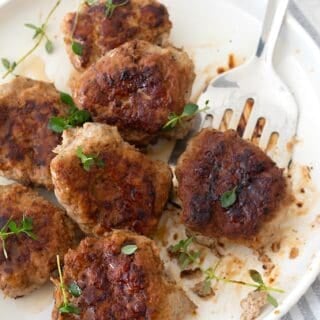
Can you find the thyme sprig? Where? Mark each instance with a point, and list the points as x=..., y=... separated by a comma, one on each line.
x=40, y=34
x=110, y=7
x=189, y=110
x=89, y=160
x=74, y=118
x=184, y=254
x=66, y=306
x=255, y=276
x=76, y=46
x=41, y=31
x=12, y=228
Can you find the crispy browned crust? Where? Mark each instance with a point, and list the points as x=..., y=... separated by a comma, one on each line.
x=135, y=87
x=139, y=19
x=118, y=286
x=129, y=192
x=216, y=162
x=26, y=143
x=30, y=262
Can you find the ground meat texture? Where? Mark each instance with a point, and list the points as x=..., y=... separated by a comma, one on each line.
x=30, y=262
x=217, y=162
x=128, y=192
x=118, y=286
x=136, y=87
x=139, y=19
x=26, y=142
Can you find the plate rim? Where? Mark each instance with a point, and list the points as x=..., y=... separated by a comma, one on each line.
x=313, y=269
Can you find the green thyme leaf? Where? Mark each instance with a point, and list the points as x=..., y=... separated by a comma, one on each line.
x=75, y=290
x=91, y=2
x=75, y=117
x=273, y=301
x=77, y=48
x=67, y=99
x=185, y=256
x=88, y=161
x=49, y=46
x=78, y=117
x=182, y=245
x=69, y=308
x=6, y=63
x=129, y=249
x=256, y=276
x=189, y=110
x=31, y=26
x=58, y=125
x=12, y=228
x=229, y=198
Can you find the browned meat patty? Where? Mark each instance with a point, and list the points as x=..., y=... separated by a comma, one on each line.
x=26, y=143
x=215, y=163
x=97, y=33
x=119, y=286
x=128, y=192
x=135, y=87
x=30, y=262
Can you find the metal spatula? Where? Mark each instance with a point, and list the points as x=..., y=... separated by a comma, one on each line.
x=256, y=94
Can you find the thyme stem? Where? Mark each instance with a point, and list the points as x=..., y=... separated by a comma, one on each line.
x=36, y=45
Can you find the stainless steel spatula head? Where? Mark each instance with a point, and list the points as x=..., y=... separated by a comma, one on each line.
x=253, y=100
x=272, y=116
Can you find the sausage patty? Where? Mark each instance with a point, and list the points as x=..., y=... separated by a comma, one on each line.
x=136, y=87
x=97, y=33
x=215, y=163
x=26, y=142
x=29, y=262
x=128, y=191
x=119, y=286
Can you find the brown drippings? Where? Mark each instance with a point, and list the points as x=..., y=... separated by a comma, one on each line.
x=275, y=246
x=294, y=253
x=203, y=290
x=267, y=263
x=221, y=70
x=232, y=63
x=34, y=69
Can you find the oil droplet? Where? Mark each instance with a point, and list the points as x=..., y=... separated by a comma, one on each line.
x=34, y=68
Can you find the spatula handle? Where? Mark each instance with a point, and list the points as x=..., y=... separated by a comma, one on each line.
x=274, y=17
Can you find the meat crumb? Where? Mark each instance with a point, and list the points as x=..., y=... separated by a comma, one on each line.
x=203, y=289
x=253, y=304
x=191, y=273
x=294, y=253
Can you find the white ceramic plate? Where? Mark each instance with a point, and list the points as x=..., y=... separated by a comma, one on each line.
x=209, y=30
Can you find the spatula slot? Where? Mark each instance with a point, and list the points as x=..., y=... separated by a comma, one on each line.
x=224, y=125
x=245, y=116
x=273, y=141
x=257, y=133
x=208, y=121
